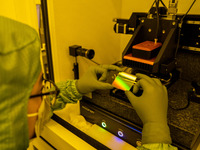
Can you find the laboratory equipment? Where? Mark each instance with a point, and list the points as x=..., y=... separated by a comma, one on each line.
x=175, y=63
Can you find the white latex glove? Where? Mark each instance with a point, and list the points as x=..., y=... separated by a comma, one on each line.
x=151, y=107
x=90, y=82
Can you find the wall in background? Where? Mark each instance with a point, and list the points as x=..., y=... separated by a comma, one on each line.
x=86, y=23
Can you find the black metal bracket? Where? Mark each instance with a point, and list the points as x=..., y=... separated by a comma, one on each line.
x=76, y=50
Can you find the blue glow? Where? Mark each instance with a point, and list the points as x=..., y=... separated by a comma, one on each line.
x=134, y=129
x=118, y=140
x=128, y=126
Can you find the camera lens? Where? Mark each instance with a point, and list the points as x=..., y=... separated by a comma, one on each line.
x=88, y=53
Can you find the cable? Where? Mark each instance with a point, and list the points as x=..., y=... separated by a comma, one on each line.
x=181, y=23
x=158, y=20
x=188, y=10
x=92, y=61
x=151, y=6
x=154, y=3
x=163, y=4
x=164, y=81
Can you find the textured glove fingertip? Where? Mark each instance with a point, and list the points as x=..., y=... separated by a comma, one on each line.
x=136, y=88
x=128, y=93
x=102, y=78
x=118, y=69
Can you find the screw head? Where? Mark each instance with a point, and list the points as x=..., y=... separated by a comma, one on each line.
x=149, y=30
x=163, y=31
x=138, y=143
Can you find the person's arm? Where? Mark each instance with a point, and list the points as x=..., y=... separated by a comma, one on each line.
x=71, y=91
x=68, y=94
x=157, y=146
x=152, y=107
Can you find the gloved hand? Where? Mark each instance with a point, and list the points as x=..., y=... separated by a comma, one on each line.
x=90, y=82
x=151, y=107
